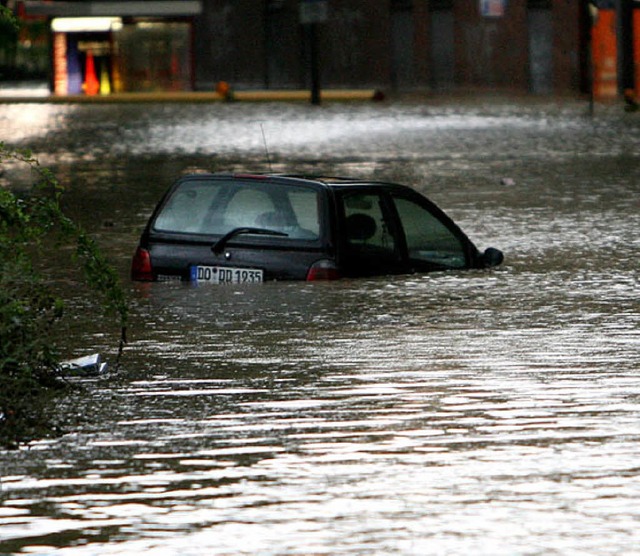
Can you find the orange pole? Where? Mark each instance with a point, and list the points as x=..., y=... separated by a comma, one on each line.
x=636, y=49
x=604, y=52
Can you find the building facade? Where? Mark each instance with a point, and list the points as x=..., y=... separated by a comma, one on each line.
x=537, y=46
x=523, y=45
x=100, y=47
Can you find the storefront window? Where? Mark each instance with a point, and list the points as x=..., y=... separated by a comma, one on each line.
x=152, y=56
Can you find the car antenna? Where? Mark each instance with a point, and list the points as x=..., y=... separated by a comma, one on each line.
x=266, y=148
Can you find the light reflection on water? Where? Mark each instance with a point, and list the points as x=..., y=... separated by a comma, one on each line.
x=480, y=412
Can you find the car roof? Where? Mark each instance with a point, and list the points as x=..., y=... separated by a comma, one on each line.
x=317, y=180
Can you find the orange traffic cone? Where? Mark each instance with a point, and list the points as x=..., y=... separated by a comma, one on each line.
x=91, y=84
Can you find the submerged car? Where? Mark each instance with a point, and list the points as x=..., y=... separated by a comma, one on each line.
x=242, y=228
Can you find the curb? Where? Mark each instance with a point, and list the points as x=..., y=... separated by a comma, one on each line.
x=330, y=95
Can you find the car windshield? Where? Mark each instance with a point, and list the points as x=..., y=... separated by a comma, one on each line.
x=218, y=206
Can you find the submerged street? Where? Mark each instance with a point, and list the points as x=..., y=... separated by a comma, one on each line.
x=478, y=412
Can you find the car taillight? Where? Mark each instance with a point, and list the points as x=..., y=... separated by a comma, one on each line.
x=323, y=269
x=141, y=268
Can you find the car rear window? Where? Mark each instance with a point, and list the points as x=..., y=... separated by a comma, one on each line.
x=216, y=207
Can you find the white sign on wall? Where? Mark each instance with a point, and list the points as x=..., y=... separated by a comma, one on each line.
x=492, y=8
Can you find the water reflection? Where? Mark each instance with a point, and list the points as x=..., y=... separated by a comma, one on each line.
x=408, y=415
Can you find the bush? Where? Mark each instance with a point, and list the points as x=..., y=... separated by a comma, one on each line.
x=29, y=307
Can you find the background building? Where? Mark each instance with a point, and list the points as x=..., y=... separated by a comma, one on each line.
x=116, y=46
x=532, y=46
x=524, y=45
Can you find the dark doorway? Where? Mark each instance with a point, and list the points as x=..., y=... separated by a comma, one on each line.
x=441, y=31
x=402, y=44
x=540, y=27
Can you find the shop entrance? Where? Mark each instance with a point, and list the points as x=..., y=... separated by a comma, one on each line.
x=127, y=57
x=88, y=63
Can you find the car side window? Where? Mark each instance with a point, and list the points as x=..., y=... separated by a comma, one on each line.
x=365, y=222
x=371, y=247
x=428, y=238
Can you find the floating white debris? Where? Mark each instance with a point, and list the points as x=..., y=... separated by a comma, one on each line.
x=87, y=365
x=508, y=181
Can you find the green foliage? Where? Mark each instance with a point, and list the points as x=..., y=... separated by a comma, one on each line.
x=8, y=28
x=8, y=19
x=29, y=308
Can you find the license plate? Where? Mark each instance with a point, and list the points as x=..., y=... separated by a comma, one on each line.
x=226, y=275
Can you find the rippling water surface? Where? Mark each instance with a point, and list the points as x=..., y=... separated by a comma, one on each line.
x=454, y=413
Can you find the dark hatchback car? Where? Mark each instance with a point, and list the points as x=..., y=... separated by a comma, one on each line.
x=239, y=228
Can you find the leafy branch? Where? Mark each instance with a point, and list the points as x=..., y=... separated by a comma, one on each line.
x=29, y=309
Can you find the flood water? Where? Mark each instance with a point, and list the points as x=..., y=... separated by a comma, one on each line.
x=486, y=412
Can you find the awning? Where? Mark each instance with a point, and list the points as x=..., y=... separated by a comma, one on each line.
x=151, y=8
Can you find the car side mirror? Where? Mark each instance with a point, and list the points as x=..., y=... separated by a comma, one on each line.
x=492, y=257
